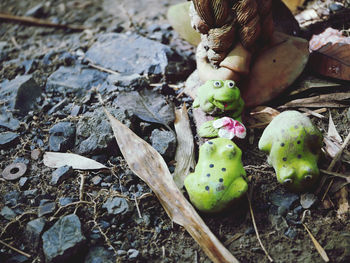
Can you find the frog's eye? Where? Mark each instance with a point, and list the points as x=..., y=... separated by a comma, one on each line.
x=217, y=84
x=288, y=181
x=230, y=146
x=231, y=84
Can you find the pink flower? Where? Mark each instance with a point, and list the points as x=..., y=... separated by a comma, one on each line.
x=229, y=128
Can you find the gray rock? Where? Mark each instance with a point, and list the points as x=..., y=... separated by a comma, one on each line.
x=307, y=200
x=60, y=174
x=8, y=139
x=33, y=232
x=7, y=213
x=124, y=82
x=164, y=142
x=334, y=7
x=75, y=79
x=65, y=201
x=96, y=180
x=21, y=93
x=121, y=252
x=23, y=182
x=99, y=255
x=17, y=259
x=64, y=240
x=46, y=207
x=76, y=110
x=130, y=53
x=94, y=133
x=116, y=205
x=285, y=200
x=11, y=198
x=62, y=137
x=133, y=253
x=291, y=232
x=8, y=121
x=31, y=193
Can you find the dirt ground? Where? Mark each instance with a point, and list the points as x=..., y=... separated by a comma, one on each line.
x=155, y=237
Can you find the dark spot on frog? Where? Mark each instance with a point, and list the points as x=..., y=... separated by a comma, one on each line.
x=298, y=142
x=223, y=169
x=221, y=180
x=296, y=126
x=299, y=156
x=207, y=188
x=208, y=175
x=211, y=165
x=282, y=144
x=209, y=142
x=284, y=159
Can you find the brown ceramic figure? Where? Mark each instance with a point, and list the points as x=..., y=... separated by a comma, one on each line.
x=236, y=40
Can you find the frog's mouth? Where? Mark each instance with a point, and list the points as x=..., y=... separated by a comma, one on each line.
x=223, y=104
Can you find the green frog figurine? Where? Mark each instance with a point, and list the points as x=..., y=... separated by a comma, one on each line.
x=294, y=147
x=220, y=97
x=219, y=178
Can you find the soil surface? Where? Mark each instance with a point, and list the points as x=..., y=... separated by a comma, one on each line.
x=141, y=231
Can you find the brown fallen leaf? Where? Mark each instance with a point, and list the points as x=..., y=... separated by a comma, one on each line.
x=148, y=164
x=261, y=116
x=333, y=100
x=331, y=54
x=184, y=156
x=57, y=159
x=332, y=131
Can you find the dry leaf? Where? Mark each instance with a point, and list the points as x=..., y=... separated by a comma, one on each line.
x=57, y=159
x=148, y=164
x=331, y=54
x=333, y=100
x=332, y=147
x=184, y=156
x=261, y=116
x=332, y=131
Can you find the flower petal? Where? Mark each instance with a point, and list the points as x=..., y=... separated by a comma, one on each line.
x=225, y=133
x=218, y=123
x=240, y=130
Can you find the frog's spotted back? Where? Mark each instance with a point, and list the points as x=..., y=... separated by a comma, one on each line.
x=294, y=146
x=218, y=178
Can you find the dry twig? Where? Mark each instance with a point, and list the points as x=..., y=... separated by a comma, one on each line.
x=317, y=245
x=256, y=229
x=37, y=22
x=15, y=249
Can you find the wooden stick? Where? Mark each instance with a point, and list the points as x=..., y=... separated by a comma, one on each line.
x=317, y=245
x=37, y=22
x=15, y=249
